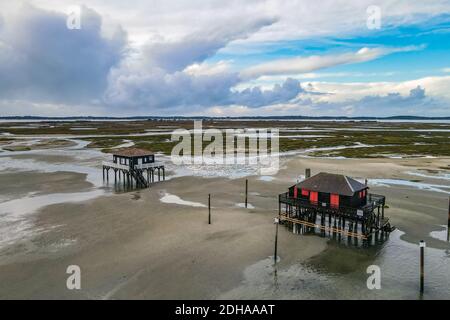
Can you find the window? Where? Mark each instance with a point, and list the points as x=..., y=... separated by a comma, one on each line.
x=295, y=192
x=305, y=192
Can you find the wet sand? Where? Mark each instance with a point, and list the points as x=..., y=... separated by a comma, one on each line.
x=131, y=245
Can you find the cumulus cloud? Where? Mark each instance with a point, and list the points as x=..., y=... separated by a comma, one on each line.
x=256, y=97
x=48, y=68
x=392, y=103
x=42, y=60
x=173, y=75
x=197, y=47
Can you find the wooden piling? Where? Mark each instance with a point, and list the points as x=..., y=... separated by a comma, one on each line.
x=209, y=208
x=422, y=267
x=246, y=192
x=275, y=254
x=448, y=222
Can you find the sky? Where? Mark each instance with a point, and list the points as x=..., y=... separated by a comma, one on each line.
x=225, y=58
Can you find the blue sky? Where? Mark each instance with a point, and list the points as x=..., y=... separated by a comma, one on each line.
x=224, y=58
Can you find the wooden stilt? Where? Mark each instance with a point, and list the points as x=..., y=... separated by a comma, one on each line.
x=422, y=266
x=209, y=208
x=246, y=190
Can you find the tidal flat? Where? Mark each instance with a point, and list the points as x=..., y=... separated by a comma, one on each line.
x=156, y=243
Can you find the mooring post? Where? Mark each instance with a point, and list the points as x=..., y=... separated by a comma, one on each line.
x=209, y=208
x=448, y=222
x=277, y=222
x=307, y=173
x=246, y=192
x=279, y=205
x=103, y=173
x=422, y=263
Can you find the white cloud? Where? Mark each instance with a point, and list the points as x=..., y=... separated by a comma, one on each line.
x=207, y=69
x=312, y=63
x=297, y=19
x=164, y=68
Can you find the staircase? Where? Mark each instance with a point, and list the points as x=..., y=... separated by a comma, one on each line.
x=137, y=175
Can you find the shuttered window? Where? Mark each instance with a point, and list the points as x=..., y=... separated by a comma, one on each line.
x=313, y=196
x=334, y=200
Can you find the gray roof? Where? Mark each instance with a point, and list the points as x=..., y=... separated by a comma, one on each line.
x=332, y=183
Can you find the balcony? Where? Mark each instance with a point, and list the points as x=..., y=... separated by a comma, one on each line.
x=136, y=167
x=373, y=201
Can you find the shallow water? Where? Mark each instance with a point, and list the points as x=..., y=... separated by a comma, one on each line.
x=445, y=188
x=340, y=272
x=17, y=213
x=173, y=199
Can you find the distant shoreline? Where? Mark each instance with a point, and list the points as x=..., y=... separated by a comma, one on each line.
x=285, y=118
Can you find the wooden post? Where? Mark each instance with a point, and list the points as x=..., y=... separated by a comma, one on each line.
x=448, y=222
x=246, y=192
x=103, y=173
x=277, y=222
x=307, y=173
x=422, y=263
x=209, y=208
x=279, y=205
x=164, y=173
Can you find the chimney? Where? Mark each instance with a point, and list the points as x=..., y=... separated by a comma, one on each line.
x=307, y=173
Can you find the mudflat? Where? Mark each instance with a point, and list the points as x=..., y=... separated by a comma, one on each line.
x=132, y=245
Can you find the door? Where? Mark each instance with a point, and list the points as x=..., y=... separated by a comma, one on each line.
x=334, y=200
x=295, y=192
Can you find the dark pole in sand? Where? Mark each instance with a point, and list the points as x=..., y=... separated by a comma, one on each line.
x=422, y=263
x=448, y=223
x=246, y=191
x=209, y=208
x=277, y=222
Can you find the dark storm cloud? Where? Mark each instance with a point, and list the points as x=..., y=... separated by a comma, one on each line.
x=44, y=61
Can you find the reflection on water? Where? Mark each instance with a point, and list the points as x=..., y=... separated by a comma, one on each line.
x=16, y=214
x=340, y=273
x=16, y=222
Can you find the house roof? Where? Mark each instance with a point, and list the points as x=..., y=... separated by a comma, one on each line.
x=132, y=152
x=332, y=183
